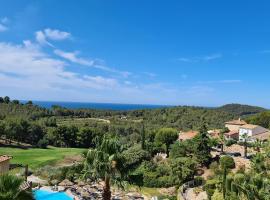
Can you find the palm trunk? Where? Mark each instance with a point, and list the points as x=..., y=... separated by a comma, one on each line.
x=245, y=149
x=224, y=182
x=107, y=189
x=222, y=148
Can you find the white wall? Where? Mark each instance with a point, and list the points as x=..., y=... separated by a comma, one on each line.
x=250, y=132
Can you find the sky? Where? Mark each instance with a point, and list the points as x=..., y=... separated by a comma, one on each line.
x=182, y=52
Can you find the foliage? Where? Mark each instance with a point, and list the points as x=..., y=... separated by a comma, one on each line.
x=262, y=119
x=230, y=142
x=106, y=163
x=166, y=136
x=43, y=143
x=10, y=189
x=183, y=169
x=134, y=156
x=227, y=162
x=203, y=146
x=241, y=110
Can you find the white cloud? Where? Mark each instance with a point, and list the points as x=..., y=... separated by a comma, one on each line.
x=27, y=67
x=42, y=37
x=74, y=57
x=211, y=57
x=55, y=34
x=201, y=58
x=27, y=72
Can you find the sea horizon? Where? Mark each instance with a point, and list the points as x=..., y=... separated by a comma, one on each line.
x=95, y=105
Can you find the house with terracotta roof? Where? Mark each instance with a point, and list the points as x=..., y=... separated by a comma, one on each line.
x=187, y=135
x=4, y=163
x=253, y=132
x=214, y=133
x=233, y=134
x=234, y=125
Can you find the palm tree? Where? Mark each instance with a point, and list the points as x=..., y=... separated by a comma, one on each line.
x=105, y=162
x=257, y=145
x=222, y=141
x=10, y=189
x=245, y=137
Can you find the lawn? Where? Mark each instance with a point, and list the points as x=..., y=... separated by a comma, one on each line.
x=80, y=121
x=36, y=158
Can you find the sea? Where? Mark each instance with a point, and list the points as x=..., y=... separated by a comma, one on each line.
x=101, y=106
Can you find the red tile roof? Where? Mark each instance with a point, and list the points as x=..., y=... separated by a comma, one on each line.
x=231, y=133
x=236, y=122
x=187, y=135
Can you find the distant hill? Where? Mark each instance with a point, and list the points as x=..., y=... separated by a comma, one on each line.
x=241, y=110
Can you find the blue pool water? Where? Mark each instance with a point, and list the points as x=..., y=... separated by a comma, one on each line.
x=46, y=195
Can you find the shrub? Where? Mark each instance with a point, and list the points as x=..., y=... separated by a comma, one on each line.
x=199, y=180
x=43, y=143
x=227, y=162
x=210, y=186
x=230, y=142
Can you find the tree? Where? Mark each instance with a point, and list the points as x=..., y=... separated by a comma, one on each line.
x=226, y=163
x=29, y=103
x=10, y=189
x=203, y=144
x=2, y=128
x=245, y=137
x=222, y=138
x=183, y=169
x=106, y=163
x=87, y=137
x=16, y=102
x=143, y=137
x=257, y=145
x=6, y=99
x=166, y=136
x=1, y=100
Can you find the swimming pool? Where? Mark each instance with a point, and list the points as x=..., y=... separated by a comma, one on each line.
x=47, y=195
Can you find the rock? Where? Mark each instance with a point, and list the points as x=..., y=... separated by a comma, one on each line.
x=66, y=183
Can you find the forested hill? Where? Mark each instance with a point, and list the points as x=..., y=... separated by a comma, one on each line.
x=188, y=117
x=241, y=110
x=180, y=117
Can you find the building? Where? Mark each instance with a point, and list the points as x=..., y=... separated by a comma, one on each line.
x=253, y=132
x=233, y=134
x=234, y=125
x=4, y=163
x=187, y=135
x=214, y=133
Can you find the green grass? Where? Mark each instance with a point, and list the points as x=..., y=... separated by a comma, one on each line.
x=150, y=191
x=79, y=121
x=36, y=158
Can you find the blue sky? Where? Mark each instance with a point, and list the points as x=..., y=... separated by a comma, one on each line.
x=188, y=52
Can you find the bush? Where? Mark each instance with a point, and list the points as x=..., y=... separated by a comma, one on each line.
x=210, y=186
x=43, y=143
x=230, y=142
x=227, y=162
x=199, y=180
